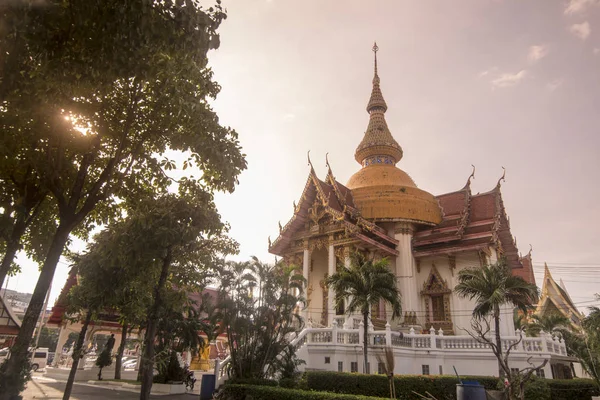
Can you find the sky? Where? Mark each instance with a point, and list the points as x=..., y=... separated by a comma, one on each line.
x=493, y=83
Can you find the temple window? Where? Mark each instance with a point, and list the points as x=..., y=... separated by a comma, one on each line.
x=436, y=295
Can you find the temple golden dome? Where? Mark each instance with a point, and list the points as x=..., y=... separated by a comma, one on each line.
x=381, y=190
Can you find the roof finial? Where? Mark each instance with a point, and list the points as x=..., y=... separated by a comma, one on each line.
x=472, y=176
x=309, y=162
x=530, y=249
x=375, y=49
x=502, y=178
x=376, y=102
x=327, y=160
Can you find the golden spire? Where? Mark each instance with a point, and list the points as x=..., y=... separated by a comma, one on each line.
x=378, y=145
x=376, y=101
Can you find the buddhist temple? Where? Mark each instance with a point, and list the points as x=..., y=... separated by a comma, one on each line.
x=380, y=210
x=556, y=300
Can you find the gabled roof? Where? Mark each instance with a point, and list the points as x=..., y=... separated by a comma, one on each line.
x=336, y=200
x=556, y=297
x=469, y=223
x=9, y=322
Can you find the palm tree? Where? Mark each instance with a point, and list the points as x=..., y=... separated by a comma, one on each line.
x=493, y=286
x=366, y=282
x=551, y=323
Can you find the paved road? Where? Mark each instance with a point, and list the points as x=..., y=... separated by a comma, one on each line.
x=40, y=388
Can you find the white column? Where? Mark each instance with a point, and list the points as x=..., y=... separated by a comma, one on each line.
x=348, y=322
x=330, y=292
x=62, y=339
x=305, y=271
x=405, y=268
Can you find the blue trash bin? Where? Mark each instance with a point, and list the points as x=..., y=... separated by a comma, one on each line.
x=208, y=387
x=470, y=390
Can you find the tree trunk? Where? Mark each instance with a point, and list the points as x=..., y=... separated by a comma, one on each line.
x=148, y=355
x=18, y=358
x=11, y=251
x=77, y=356
x=120, y=352
x=501, y=373
x=365, y=340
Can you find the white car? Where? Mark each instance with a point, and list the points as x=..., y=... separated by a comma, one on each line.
x=40, y=357
x=129, y=364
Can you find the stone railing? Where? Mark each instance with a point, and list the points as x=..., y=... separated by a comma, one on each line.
x=435, y=340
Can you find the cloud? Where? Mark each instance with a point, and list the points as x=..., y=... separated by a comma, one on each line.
x=289, y=117
x=555, y=84
x=487, y=72
x=578, y=6
x=536, y=53
x=508, y=80
x=582, y=31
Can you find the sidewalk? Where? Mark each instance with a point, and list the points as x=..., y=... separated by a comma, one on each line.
x=51, y=389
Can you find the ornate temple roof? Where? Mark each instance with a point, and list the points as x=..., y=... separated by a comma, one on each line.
x=556, y=299
x=330, y=200
x=471, y=223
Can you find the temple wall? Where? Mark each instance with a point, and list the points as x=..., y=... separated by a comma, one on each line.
x=460, y=308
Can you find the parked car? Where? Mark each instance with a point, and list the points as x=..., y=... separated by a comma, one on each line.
x=40, y=358
x=130, y=364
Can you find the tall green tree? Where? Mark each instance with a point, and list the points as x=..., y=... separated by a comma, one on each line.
x=257, y=302
x=106, y=88
x=173, y=241
x=492, y=287
x=365, y=282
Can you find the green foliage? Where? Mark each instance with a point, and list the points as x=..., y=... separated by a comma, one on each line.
x=242, y=392
x=572, y=389
x=170, y=370
x=258, y=303
x=586, y=345
x=71, y=339
x=538, y=389
x=93, y=94
x=550, y=323
x=252, y=381
x=104, y=359
x=441, y=387
x=17, y=385
x=491, y=287
x=49, y=338
x=366, y=282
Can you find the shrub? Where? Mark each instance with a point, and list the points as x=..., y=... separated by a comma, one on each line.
x=289, y=383
x=441, y=387
x=241, y=392
x=252, y=381
x=572, y=389
x=171, y=371
x=537, y=389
